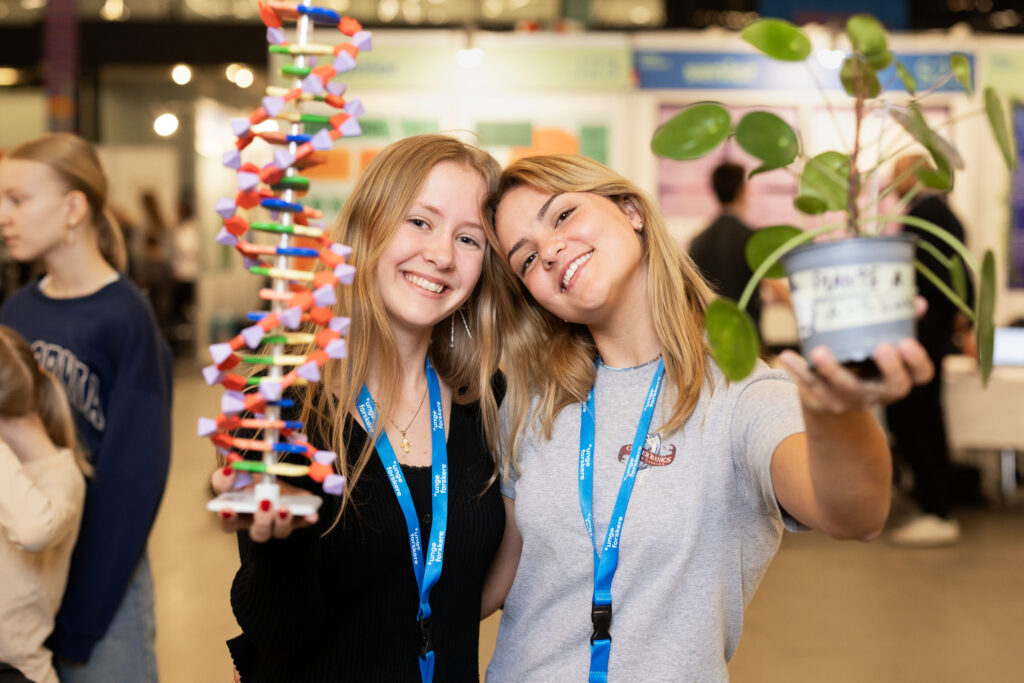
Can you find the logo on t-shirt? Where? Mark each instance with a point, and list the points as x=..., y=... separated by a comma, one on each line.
x=655, y=454
x=80, y=383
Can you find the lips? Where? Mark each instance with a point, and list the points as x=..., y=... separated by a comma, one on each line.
x=574, y=266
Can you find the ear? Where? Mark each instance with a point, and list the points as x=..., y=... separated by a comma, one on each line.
x=629, y=208
x=77, y=207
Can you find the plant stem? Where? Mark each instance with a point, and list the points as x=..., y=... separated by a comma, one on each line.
x=853, y=186
x=943, y=235
x=942, y=287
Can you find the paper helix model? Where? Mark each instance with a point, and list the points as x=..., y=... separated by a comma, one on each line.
x=299, y=298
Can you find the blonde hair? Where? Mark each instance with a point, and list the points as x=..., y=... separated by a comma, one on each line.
x=26, y=388
x=552, y=360
x=78, y=166
x=373, y=213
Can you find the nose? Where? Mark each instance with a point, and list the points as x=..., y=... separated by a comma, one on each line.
x=550, y=248
x=440, y=251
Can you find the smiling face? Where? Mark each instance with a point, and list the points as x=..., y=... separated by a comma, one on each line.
x=432, y=262
x=576, y=252
x=35, y=208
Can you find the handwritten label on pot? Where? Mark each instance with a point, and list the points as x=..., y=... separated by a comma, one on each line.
x=841, y=297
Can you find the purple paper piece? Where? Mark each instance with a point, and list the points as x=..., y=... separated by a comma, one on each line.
x=341, y=249
x=344, y=62
x=220, y=352
x=243, y=479
x=355, y=108
x=252, y=263
x=309, y=371
x=226, y=238
x=340, y=324
x=337, y=88
x=207, y=426
x=298, y=437
x=253, y=335
x=325, y=296
x=212, y=375
x=232, y=159
x=232, y=402
x=322, y=140
x=225, y=207
x=275, y=35
x=270, y=390
x=283, y=158
x=313, y=84
x=312, y=61
x=363, y=40
x=248, y=180
x=325, y=457
x=336, y=349
x=345, y=273
x=240, y=126
x=291, y=318
x=350, y=128
x=273, y=105
x=334, y=484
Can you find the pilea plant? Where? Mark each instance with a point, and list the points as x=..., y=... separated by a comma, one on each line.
x=835, y=181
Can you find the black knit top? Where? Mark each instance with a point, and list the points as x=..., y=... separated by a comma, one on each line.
x=343, y=607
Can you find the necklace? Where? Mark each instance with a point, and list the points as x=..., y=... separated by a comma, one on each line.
x=406, y=446
x=634, y=367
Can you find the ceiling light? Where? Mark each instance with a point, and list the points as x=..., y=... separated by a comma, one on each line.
x=165, y=125
x=181, y=74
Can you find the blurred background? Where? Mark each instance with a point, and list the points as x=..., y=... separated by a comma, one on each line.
x=154, y=83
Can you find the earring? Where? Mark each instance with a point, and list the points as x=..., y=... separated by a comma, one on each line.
x=464, y=323
x=451, y=339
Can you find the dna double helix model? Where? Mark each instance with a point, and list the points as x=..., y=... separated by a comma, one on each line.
x=300, y=299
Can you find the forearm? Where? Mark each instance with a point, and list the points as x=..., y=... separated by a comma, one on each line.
x=850, y=470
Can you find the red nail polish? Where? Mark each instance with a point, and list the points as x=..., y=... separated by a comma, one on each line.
x=282, y=513
x=228, y=471
x=264, y=505
x=226, y=514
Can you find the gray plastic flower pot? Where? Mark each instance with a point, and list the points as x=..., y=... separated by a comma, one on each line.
x=852, y=294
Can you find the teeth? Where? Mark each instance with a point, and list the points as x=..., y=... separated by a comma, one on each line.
x=425, y=284
x=574, y=266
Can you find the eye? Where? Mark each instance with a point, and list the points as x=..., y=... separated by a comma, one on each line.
x=468, y=240
x=564, y=215
x=419, y=223
x=526, y=263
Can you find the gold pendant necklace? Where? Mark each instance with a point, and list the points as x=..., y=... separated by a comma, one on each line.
x=406, y=445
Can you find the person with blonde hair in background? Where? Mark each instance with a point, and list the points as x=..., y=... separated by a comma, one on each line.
x=42, y=491
x=611, y=385
x=93, y=329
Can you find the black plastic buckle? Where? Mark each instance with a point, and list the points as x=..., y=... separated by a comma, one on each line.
x=601, y=617
x=426, y=637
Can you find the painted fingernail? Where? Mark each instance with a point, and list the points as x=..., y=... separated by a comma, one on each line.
x=228, y=471
x=282, y=513
x=264, y=505
x=226, y=514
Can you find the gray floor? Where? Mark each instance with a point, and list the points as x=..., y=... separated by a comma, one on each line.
x=826, y=611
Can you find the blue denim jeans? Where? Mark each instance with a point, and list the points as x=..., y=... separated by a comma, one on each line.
x=127, y=653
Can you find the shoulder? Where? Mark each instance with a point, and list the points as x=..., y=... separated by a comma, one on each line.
x=26, y=296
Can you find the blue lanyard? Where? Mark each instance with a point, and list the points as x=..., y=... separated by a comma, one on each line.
x=606, y=563
x=426, y=574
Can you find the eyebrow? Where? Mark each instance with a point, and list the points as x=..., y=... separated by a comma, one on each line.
x=540, y=217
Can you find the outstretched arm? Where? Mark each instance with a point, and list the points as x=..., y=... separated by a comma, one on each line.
x=503, y=567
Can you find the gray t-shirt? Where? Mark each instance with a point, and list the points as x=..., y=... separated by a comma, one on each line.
x=702, y=525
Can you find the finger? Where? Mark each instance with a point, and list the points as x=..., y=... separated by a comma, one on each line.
x=896, y=380
x=231, y=521
x=223, y=480
x=283, y=522
x=813, y=393
x=919, y=363
x=920, y=307
x=262, y=522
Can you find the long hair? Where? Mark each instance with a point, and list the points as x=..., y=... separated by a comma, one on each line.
x=373, y=213
x=78, y=166
x=27, y=388
x=553, y=360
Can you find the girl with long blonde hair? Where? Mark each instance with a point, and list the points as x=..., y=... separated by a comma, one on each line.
x=614, y=404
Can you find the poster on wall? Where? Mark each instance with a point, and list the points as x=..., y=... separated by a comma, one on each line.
x=1016, y=246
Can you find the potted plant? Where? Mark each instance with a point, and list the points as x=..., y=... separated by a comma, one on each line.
x=854, y=292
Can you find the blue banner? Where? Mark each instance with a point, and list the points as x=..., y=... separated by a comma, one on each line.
x=669, y=70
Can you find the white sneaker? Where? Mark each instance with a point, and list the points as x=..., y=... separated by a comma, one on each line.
x=926, y=531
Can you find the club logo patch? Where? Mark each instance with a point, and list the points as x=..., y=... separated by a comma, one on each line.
x=654, y=455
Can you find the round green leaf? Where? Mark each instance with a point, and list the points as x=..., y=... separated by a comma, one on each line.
x=858, y=78
x=985, y=312
x=693, y=132
x=733, y=338
x=812, y=206
x=764, y=242
x=880, y=60
x=778, y=39
x=867, y=35
x=909, y=82
x=997, y=122
x=826, y=177
x=961, y=68
x=769, y=138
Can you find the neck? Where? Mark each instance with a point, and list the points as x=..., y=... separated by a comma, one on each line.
x=412, y=351
x=77, y=271
x=629, y=341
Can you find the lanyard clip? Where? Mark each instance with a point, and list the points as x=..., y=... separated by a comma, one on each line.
x=426, y=636
x=601, y=618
